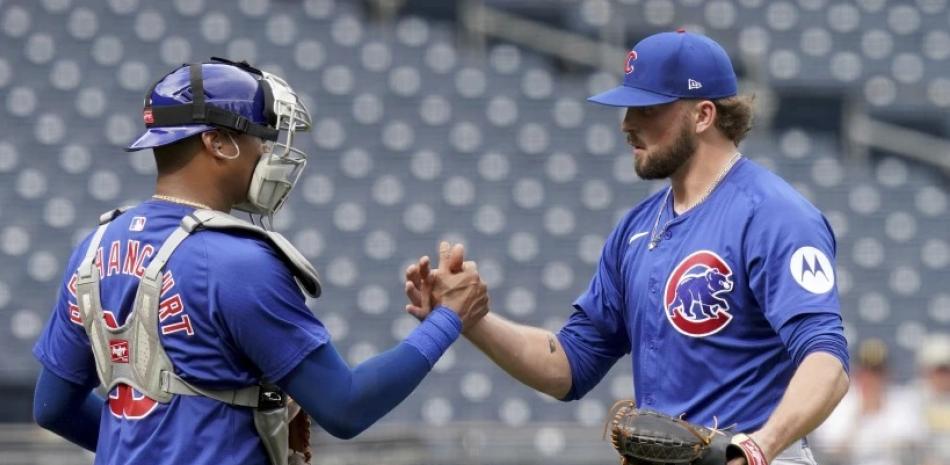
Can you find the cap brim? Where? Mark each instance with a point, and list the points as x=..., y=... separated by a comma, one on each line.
x=156, y=137
x=623, y=96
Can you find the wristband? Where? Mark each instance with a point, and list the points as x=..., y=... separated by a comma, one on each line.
x=436, y=333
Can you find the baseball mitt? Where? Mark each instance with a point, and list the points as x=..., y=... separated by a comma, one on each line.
x=299, y=436
x=644, y=437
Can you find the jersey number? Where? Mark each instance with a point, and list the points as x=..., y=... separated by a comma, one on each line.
x=126, y=402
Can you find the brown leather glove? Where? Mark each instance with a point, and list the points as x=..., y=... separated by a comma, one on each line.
x=299, y=437
x=644, y=437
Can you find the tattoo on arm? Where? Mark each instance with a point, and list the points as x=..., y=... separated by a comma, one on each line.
x=551, y=344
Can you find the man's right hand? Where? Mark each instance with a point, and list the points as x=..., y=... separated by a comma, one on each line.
x=454, y=284
x=532, y=355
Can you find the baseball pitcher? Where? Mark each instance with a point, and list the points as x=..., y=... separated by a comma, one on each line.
x=721, y=286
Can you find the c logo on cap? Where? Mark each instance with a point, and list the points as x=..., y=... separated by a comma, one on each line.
x=628, y=65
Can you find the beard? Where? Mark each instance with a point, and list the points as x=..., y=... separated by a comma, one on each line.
x=664, y=161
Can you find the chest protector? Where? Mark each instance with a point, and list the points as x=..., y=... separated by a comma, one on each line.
x=145, y=366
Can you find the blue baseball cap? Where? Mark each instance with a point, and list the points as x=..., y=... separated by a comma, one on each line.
x=669, y=66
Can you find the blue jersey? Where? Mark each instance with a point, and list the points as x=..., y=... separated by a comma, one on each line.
x=701, y=312
x=231, y=315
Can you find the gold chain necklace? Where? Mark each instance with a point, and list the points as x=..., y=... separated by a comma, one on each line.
x=655, y=236
x=190, y=203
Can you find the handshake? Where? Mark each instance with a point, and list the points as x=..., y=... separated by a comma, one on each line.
x=454, y=284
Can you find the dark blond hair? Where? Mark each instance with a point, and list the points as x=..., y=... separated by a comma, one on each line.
x=734, y=116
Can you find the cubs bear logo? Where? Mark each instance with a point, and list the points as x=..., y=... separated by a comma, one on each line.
x=693, y=297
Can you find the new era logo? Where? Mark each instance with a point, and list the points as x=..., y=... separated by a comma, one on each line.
x=119, y=350
x=137, y=224
x=693, y=84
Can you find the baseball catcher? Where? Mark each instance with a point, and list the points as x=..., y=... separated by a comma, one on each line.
x=195, y=322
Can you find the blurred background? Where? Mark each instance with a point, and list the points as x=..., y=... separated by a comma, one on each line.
x=467, y=121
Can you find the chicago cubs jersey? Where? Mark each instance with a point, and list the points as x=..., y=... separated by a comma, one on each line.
x=230, y=315
x=700, y=313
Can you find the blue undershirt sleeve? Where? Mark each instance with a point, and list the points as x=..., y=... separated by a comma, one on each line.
x=68, y=409
x=345, y=402
x=806, y=333
x=589, y=354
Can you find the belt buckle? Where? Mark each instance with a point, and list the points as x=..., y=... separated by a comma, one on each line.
x=271, y=397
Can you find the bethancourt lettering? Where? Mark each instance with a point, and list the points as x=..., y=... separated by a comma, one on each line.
x=133, y=263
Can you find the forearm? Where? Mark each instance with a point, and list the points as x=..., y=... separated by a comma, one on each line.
x=380, y=384
x=531, y=355
x=345, y=402
x=816, y=388
x=67, y=409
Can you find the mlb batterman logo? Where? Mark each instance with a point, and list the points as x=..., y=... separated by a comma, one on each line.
x=693, y=297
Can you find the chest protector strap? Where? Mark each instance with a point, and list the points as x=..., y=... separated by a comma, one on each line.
x=305, y=273
x=133, y=354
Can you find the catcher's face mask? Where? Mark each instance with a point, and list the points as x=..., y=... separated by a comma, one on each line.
x=233, y=95
x=280, y=165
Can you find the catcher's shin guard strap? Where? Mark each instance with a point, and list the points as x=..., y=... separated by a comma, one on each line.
x=744, y=444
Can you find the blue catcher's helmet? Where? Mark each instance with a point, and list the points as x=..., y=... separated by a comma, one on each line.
x=224, y=94
x=173, y=112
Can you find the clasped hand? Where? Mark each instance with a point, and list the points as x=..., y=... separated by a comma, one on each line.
x=454, y=284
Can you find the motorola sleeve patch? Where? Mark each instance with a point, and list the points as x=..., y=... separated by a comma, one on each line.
x=812, y=270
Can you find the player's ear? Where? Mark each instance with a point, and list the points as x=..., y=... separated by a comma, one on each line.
x=704, y=115
x=220, y=144
x=211, y=141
